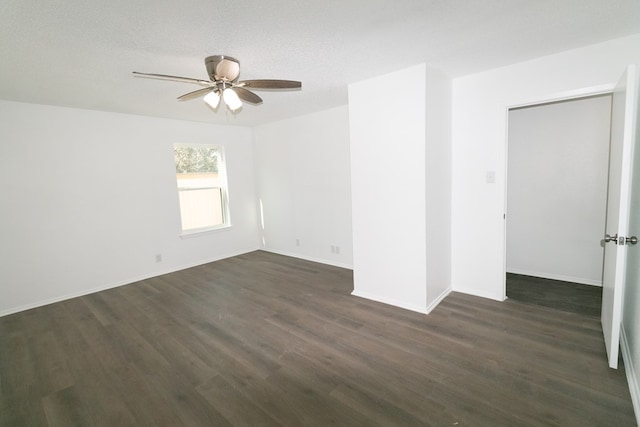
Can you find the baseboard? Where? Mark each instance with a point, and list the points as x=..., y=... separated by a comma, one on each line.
x=560, y=277
x=438, y=300
x=308, y=258
x=477, y=293
x=631, y=371
x=128, y=281
x=390, y=301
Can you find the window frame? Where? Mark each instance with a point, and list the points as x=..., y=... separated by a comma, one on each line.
x=223, y=186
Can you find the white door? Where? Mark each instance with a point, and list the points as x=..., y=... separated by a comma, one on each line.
x=631, y=305
x=623, y=115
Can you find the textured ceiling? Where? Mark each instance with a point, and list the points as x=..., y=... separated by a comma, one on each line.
x=80, y=53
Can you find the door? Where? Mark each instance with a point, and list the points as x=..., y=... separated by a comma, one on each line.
x=631, y=305
x=623, y=115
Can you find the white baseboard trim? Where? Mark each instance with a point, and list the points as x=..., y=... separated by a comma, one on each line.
x=438, y=300
x=308, y=258
x=552, y=276
x=128, y=281
x=477, y=293
x=390, y=301
x=631, y=371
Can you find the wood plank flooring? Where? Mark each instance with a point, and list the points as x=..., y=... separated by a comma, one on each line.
x=556, y=294
x=262, y=339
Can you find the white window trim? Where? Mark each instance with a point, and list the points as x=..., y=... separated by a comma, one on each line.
x=190, y=234
x=226, y=215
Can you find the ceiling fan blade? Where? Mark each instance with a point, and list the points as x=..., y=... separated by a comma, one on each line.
x=270, y=84
x=247, y=95
x=195, y=94
x=173, y=78
x=221, y=67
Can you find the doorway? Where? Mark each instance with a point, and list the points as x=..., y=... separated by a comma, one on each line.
x=557, y=168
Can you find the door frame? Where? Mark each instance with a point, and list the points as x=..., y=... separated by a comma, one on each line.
x=606, y=89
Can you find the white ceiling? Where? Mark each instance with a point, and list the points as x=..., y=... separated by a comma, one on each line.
x=80, y=53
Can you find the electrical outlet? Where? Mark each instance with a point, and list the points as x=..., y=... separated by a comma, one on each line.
x=491, y=177
x=158, y=257
x=297, y=242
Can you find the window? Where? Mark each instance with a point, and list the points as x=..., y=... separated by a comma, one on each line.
x=202, y=187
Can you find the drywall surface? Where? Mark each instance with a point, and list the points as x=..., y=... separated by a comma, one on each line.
x=303, y=186
x=438, y=185
x=89, y=199
x=480, y=108
x=558, y=156
x=388, y=189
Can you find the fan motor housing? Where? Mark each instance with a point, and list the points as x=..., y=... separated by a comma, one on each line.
x=222, y=68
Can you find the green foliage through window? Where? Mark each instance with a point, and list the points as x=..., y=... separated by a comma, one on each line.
x=195, y=159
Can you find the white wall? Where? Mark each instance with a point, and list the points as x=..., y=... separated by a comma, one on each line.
x=438, y=185
x=400, y=179
x=89, y=198
x=480, y=105
x=388, y=188
x=557, y=189
x=303, y=186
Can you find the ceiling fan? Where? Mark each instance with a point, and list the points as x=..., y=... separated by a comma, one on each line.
x=223, y=83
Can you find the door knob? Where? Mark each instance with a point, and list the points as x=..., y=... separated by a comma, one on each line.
x=608, y=238
x=631, y=240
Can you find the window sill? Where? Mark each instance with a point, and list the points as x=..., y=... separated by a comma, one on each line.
x=204, y=231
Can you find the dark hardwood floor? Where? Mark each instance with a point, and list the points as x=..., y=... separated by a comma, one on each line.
x=556, y=294
x=262, y=339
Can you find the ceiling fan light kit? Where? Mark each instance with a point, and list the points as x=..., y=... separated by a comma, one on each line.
x=213, y=99
x=231, y=99
x=223, y=72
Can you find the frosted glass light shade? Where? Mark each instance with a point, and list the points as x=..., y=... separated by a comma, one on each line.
x=213, y=99
x=231, y=99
